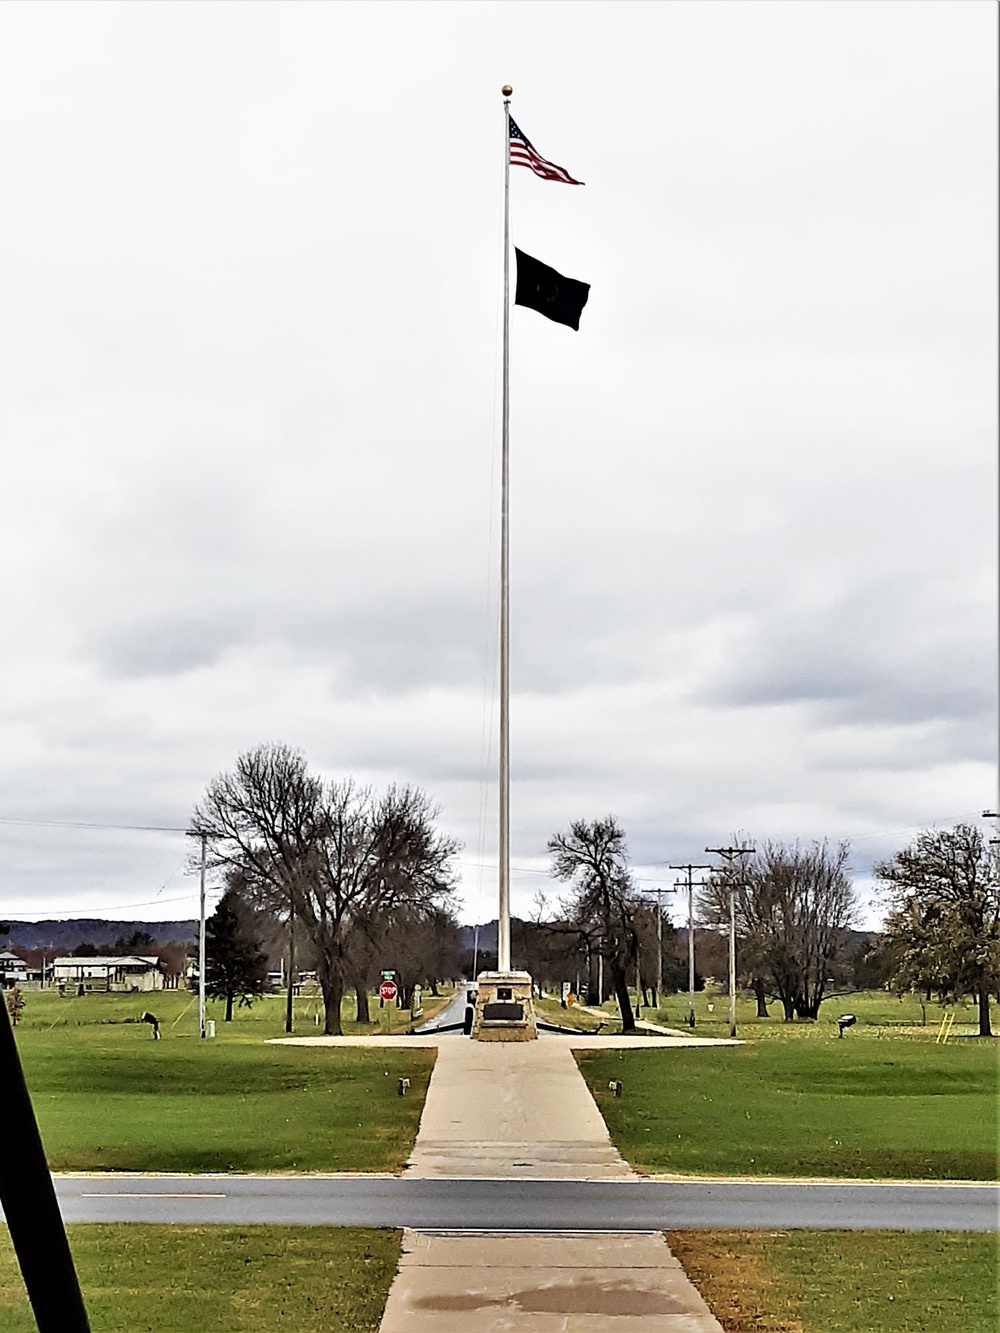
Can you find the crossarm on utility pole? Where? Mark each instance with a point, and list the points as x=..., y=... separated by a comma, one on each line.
x=689, y=868
x=729, y=854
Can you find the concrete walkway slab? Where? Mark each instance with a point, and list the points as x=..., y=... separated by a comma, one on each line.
x=613, y=1042
x=550, y=1283
x=512, y=1109
x=522, y=1110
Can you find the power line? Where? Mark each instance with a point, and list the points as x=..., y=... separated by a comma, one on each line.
x=530, y=870
x=108, y=907
x=80, y=823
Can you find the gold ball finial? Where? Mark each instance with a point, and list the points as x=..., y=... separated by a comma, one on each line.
x=506, y=90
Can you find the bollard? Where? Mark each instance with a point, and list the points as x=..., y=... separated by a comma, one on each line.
x=404, y=1083
x=616, y=1086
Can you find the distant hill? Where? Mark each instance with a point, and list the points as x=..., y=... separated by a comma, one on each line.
x=66, y=935
x=487, y=937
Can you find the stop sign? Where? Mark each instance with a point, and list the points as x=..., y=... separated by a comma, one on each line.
x=387, y=990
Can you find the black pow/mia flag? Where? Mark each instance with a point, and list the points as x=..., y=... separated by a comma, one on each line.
x=543, y=289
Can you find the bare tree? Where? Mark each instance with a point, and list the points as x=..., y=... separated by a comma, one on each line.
x=377, y=856
x=943, y=932
x=337, y=858
x=263, y=821
x=420, y=943
x=793, y=906
x=593, y=858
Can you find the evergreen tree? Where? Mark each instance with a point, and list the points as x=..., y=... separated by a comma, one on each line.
x=235, y=966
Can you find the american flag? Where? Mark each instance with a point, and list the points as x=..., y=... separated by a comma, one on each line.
x=523, y=154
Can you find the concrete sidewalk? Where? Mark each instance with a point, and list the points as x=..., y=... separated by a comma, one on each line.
x=512, y=1109
x=487, y=1283
x=523, y=1111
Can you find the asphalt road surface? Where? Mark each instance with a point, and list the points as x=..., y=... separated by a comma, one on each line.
x=525, y=1205
x=453, y=1012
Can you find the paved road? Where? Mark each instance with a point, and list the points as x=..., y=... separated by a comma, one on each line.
x=453, y=1012
x=525, y=1205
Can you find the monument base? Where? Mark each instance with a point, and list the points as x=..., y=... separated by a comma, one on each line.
x=504, y=1011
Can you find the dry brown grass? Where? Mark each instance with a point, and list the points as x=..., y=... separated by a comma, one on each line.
x=728, y=1269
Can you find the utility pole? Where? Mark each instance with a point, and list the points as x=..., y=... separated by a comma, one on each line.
x=689, y=870
x=201, y=936
x=202, y=865
x=729, y=855
x=659, y=891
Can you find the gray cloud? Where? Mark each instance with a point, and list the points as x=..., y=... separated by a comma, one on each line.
x=248, y=363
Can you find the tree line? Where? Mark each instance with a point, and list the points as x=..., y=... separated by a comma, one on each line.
x=354, y=880
x=794, y=908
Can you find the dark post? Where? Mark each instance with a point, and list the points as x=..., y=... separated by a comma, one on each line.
x=289, y=999
x=29, y=1204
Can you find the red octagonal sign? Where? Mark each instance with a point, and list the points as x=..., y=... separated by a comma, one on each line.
x=387, y=990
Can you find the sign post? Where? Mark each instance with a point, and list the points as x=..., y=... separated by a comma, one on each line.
x=387, y=994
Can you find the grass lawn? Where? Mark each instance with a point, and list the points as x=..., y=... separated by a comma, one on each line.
x=797, y=1100
x=108, y=1097
x=172, y=1279
x=876, y=1012
x=551, y=1011
x=845, y=1281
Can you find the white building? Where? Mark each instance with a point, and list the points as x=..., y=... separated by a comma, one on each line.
x=14, y=971
x=128, y=973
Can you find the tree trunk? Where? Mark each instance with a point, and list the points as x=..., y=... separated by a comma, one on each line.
x=434, y=989
x=624, y=1004
x=229, y=1006
x=984, y=1013
x=761, y=997
x=332, y=985
x=789, y=1009
x=290, y=997
x=361, y=998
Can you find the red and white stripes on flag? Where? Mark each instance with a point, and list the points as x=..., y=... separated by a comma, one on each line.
x=523, y=154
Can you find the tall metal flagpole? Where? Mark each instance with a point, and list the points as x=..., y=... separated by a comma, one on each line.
x=503, y=923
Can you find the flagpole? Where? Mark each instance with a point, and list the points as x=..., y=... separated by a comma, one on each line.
x=503, y=922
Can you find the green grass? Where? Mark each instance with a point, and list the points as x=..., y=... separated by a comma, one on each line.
x=877, y=1011
x=571, y=1017
x=178, y=1013
x=138, y=1278
x=845, y=1281
x=797, y=1100
x=110, y=1098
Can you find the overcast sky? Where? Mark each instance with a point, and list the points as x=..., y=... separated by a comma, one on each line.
x=249, y=341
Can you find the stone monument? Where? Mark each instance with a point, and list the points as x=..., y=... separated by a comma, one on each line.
x=504, y=1011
